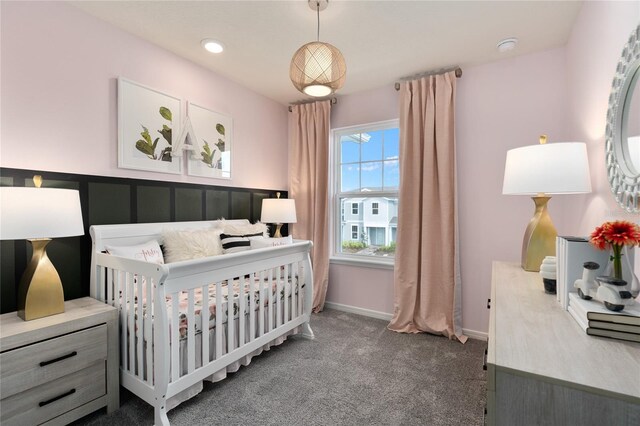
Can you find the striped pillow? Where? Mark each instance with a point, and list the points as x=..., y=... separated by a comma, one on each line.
x=235, y=243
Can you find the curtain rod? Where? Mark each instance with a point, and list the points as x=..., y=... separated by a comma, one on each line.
x=458, y=71
x=333, y=101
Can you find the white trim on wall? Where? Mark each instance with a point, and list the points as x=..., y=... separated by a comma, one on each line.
x=473, y=334
x=359, y=311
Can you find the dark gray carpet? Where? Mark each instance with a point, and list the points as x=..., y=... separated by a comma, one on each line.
x=355, y=372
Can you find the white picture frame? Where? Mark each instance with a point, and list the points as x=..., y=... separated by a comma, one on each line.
x=148, y=122
x=213, y=132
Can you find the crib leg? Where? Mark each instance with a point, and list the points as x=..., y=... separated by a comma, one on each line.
x=307, y=333
x=160, y=410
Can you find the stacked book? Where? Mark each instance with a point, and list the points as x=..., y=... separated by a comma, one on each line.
x=596, y=320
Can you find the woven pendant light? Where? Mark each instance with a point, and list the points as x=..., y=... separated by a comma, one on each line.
x=318, y=69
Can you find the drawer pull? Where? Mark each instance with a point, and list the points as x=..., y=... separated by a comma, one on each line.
x=488, y=303
x=484, y=359
x=55, y=398
x=51, y=361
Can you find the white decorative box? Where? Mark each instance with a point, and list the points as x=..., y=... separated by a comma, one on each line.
x=571, y=254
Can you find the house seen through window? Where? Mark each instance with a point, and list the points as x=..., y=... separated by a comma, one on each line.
x=365, y=194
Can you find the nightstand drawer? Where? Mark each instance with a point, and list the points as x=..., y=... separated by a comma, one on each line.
x=41, y=362
x=54, y=398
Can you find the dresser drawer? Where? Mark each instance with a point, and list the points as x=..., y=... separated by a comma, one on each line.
x=41, y=362
x=49, y=400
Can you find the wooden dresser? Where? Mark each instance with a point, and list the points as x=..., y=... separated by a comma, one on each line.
x=56, y=369
x=543, y=369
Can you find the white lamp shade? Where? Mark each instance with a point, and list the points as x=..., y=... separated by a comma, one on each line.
x=30, y=213
x=278, y=210
x=554, y=168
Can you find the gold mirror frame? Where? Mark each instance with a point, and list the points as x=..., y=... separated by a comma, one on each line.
x=623, y=179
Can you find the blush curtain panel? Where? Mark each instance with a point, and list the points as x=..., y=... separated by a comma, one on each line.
x=308, y=186
x=427, y=273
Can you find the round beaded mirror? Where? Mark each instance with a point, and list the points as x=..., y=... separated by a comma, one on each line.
x=623, y=128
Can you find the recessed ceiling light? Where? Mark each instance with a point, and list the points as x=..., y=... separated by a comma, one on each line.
x=507, y=44
x=213, y=46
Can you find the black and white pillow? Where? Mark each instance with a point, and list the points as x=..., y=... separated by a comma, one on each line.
x=235, y=243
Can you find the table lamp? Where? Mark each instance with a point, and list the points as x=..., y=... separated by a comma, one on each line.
x=278, y=211
x=39, y=214
x=541, y=170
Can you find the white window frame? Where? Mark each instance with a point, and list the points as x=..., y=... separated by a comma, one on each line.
x=375, y=208
x=336, y=256
x=357, y=228
x=355, y=209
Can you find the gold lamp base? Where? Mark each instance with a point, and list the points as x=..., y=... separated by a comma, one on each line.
x=40, y=293
x=540, y=236
x=277, y=233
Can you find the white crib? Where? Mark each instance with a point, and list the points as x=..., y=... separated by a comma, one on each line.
x=160, y=356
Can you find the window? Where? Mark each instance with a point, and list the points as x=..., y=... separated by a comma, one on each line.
x=366, y=173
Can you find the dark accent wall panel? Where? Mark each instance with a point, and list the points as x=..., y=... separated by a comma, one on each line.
x=109, y=200
x=240, y=204
x=217, y=204
x=188, y=204
x=8, y=276
x=109, y=203
x=154, y=204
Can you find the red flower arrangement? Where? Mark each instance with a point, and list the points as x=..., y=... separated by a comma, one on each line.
x=614, y=236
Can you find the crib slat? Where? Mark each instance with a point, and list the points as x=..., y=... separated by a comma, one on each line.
x=219, y=313
x=292, y=285
x=138, y=327
x=191, y=335
x=261, y=300
x=285, y=279
x=241, y=318
x=252, y=307
x=270, y=310
x=278, y=301
x=175, y=341
x=147, y=333
x=204, y=325
x=110, y=277
x=230, y=317
x=123, y=321
x=132, y=332
x=300, y=281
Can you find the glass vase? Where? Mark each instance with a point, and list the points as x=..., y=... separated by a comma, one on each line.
x=625, y=270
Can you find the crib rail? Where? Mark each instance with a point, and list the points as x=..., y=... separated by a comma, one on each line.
x=182, y=322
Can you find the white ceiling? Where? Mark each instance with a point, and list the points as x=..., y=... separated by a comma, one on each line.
x=381, y=41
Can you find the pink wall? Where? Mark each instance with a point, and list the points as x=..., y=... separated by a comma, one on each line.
x=593, y=50
x=59, y=70
x=500, y=106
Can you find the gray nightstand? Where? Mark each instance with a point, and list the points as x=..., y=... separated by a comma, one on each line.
x=59, y=368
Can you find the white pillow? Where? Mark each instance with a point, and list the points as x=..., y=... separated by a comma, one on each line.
x=248, y=229
x=191, y=244
x=148, y=252
x=271, y=242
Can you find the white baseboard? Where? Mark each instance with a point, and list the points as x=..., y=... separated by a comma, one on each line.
x=473, y=334
x=360, y=311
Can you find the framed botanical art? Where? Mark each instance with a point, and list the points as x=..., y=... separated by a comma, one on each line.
x=148, y=120
x=214, y=134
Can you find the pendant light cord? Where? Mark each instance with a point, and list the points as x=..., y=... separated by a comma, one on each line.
x=318, y=10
